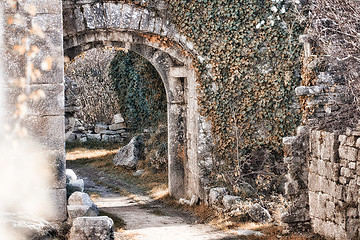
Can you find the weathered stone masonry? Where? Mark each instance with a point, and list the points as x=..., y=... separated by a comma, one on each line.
x=89, y=24
x=71, y=27
x=45, y=118
x=323, y=167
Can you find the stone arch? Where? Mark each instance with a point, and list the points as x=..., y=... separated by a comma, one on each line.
x=90, y=23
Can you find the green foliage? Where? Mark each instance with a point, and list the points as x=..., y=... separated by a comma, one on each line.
x=142, y=96
x=255, y=71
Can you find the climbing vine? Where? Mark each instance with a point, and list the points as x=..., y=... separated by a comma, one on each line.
x=142, y=96
x=253, y=50
x=249, y=69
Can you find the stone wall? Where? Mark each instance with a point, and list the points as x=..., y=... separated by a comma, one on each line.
x=322, y=157
x=323, y=182
x=334, y=174
x=34, y=63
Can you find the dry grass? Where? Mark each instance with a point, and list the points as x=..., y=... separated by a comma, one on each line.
x=99, y=157
x=155, y=185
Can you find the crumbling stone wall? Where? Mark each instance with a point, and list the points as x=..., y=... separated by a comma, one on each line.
x=322, y=158
x=333, y=183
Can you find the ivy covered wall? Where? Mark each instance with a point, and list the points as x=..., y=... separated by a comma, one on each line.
x=248, y=65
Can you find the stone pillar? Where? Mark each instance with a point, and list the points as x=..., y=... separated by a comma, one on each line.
x=177, y=157
x=177, y=150
x=297, y=217
x=34, y=58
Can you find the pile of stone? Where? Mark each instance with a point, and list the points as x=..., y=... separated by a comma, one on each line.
x=76, y=130
x=83, y=213
x=73, y=184
x=219, y=199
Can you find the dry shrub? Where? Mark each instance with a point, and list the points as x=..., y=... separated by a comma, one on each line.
x=335, y=27
x=96, y=96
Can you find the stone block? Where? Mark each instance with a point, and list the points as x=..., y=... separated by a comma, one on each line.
x=117, y=118
x=328, y=146
x=216, y=195
x=289, y=141
x=343, y=180
x=302, y=130
x=144, y=23
x=71, y=137
x=69, y=23
x=313, y=204
x=113, y=14
x=259, y=214
x=332, y=171
x=83, y=199
x=96, y=137
x=70, y=175
x=108, y=132
x=322, y=167
x=85, y=228
x=352, y=165
x=230, y=201
x=129, y=155
x=315, y=150
x=178, y=72
x=165, y=29
x=99, y=127
x=329, y=229
x=330, y=210
x=117, y=126
x=151, y=22
x=313, y=167
x=171, y=33
x=345, y=172
x=317, y=226
x=348, y=153
x=324, y=184
x=308, y=90
x=58, y=201
x=89, y=16
x=79, y=19
x=48, y=130
x=76, y=211
x=335, y=190
x=158, y=25
x=75, y=186
x=348, y=141
x=126, y=16
x=99, y=15
x=136, y=18
x=314, y=182
x=357, y=144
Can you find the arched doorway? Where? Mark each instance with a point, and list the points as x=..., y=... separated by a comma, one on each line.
x=120, y=25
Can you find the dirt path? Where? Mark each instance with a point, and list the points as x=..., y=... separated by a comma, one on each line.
x=145, y=218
